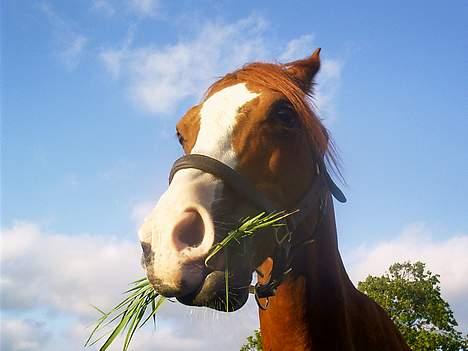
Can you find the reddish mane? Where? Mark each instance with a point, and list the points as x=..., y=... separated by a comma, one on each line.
x=276, y=77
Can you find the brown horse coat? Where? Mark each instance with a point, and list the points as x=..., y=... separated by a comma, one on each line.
x=257, y=120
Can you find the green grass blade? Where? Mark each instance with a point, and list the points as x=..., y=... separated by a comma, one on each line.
x=99, y=310
x=247, y=228
x=154, y=309
x=136, y=318
x=129, y=314
x=115, y=332
x=226, y=277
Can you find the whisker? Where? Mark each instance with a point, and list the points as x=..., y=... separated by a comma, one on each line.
x=240, y=287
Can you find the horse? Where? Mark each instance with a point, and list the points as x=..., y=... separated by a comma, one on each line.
x=255, y=143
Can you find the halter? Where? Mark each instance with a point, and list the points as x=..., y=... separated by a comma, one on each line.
x=283, y=254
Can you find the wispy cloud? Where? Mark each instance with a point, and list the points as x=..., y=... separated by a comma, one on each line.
x=329, y=82
x=298, y=48
x=104, y=6
x=114, y=59
x=416, y=243
x=328, y=78
x=145, y=7
x=160, y=78
x=70, y=44
x=71, y=54
x=141, y=8
x=140, y=210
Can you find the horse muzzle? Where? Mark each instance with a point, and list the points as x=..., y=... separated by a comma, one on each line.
x=212, y=294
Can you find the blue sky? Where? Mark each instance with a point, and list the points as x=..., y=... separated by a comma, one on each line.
x=91, y=92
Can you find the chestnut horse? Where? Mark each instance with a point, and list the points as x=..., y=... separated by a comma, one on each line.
x=254, y=143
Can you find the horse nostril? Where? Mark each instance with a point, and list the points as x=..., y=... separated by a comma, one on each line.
x=190, y=230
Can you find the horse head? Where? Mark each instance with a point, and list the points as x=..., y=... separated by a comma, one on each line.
x=258, y=122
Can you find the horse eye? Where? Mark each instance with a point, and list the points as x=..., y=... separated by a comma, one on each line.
x=180, y=138
x=286, y=115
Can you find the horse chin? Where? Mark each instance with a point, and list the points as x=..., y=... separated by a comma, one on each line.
x=212, y=294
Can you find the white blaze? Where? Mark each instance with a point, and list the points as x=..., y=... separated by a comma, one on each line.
x=193, y=189
x=217, y=121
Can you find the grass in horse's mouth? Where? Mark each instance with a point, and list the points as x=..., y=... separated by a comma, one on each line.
x=247, y=228
x=142, y=302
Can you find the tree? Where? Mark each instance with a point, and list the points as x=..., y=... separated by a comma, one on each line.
x=254, y=342
x=411, y=296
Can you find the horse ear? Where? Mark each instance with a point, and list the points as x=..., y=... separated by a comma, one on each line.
x=304, y=71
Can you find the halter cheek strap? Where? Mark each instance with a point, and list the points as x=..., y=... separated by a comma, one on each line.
x=282, y=257
x=233, y=179
x=247, y=189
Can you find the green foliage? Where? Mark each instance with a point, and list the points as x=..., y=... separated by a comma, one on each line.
x=411, y=296
x=254, y=342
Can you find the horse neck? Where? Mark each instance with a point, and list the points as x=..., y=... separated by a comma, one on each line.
x=311, y=304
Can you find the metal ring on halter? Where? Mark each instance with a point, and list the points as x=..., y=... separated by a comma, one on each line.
x=259, y=304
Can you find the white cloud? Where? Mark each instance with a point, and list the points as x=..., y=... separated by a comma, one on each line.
x=184, y=328
x=141, y=8
x=64, y=273
x=69, y=42
x=61, y=275
x=298, y=48
x=160, y=78
x=145, y=7
x=445, y=257
x=22, y=335
x=328, y=78
x=112, y=60
x=71, y=53
x=104, y=6
x=141, y=210
x=329, y=81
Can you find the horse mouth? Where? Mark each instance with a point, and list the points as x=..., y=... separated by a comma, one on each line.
x=212, y=293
